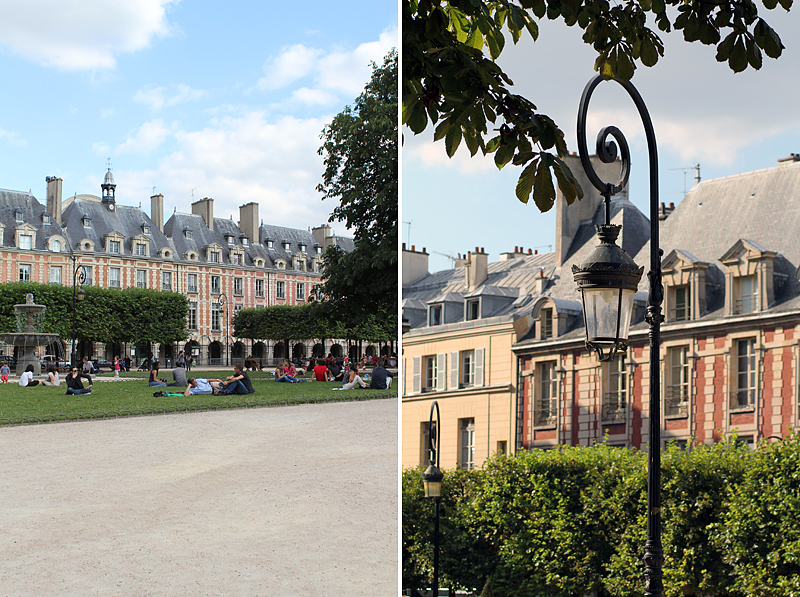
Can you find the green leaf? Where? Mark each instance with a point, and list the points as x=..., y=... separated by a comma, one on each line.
x=772, y=43
x=452, y=140
x=770, y=4
x=441, y=130
x=753, y=54
x=544, y=194
x=471, y=141
x=503, y=155
x=649, y=53
x=525, y=182
x=415, y=117
x=737, y=61
x=475, y=39
x=724, y=48
x=493, y=144
x=569, y=186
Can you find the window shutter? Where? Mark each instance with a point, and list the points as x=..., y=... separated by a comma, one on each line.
x=441, y=371
x=403, y=386
x=454, y=370
x=479, y=352
x=416, y=378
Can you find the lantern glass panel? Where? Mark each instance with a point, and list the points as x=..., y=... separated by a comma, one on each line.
x=602, y=307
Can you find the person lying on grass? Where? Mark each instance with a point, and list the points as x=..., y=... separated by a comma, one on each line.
x=199, y=385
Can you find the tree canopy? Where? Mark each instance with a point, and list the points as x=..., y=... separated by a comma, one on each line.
x=451, y=78
x=360, y=155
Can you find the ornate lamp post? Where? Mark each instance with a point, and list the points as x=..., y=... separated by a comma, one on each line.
x=78, y=278
x=223, y=302
x=432, y=480
x=608, y=279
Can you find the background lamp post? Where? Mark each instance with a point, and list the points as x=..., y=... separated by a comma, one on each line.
x=223, y=303
x=432, y=480
x=78, y=278
x=608, y=279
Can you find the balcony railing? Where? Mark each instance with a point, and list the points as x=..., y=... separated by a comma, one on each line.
x=613, y=410
x=113, y=283
x=676, y=403
x=545, y=417
x=192, y=289
x=743, y=399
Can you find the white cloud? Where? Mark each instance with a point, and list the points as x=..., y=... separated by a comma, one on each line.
x=149, y=136
x=236, y=160
x=12, y=139
x=81, y=34
x=331, y=74
x=316, y=97
x=160, y=97
x=101, y=148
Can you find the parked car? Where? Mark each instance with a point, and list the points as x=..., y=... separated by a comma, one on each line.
x=101, y=363
x=50, y=359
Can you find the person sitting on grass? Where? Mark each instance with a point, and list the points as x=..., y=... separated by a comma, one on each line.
x=282, y=376
x=26, y=379
x=238, y=383
x=74, y=384
x=320, y=373
x=354, y=379
x=381, y=380
x=199, y=386
x=154, y=381
x=52, y=377
x=179, y=375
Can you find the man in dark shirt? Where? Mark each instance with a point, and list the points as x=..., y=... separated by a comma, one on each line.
x=380, y=377
x=239, y=382
x=74, y=384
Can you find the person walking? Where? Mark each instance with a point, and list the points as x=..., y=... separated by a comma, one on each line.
x=116, y=367
x=5, y=371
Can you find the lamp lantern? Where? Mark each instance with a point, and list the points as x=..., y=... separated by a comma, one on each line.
x=608, y=279
x=432, y=480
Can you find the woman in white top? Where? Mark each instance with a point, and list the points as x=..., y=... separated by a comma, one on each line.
x=52, y=377
x=26, y=379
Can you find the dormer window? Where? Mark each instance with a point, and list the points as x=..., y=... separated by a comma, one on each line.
x=281, y=264
x=213, y=256
x=187, y=233
x=300, y=265
x=139, y=249
x=145, y=229
x=683, y=303
x=270, y=244
x=435, y=315
x=244, y=240
x=302, y=248
x=749, y=278
x=25, y=241
x=87, y=222
x=685, y=283
x=113, y=246
x=547, y=323
x=45, y=218
x=748, y=294
x=286, y=246
x=318, y=249
x=55, y=246
x=18, y=215
x=229, y=239
x=472, y=309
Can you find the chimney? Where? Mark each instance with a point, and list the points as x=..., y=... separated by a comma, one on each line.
x=54, y=198
x=248, y=221
x=569, y=218
x=477, y=268
x=205, y=207
x=793, y=157
x=322, y=234
x=665, y=211
x=415, y=265
x=541, y=282
x=157, y=210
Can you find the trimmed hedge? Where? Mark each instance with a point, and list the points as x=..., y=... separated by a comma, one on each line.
x=572, y=522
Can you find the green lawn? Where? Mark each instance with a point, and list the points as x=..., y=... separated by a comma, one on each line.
x=135, y=397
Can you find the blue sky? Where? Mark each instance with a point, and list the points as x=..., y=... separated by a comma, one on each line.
x=702, y=113
x=195, y=99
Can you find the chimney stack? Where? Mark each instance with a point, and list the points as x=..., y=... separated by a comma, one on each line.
x=157, y=210
x=415, y=265
x=248, y=221
x=322, y=234
x=205, y=207
x=477, y=268
x=54, y=197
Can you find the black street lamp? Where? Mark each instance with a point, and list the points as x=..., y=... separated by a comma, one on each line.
x=608, y=279
x=78, y=278
x=432, y=480
x=223, y=302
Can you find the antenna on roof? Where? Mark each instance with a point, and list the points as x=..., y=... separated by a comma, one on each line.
x=154, y=190
x=108, y=163
x=697, y=179
x=193, y=194
x=408, y=236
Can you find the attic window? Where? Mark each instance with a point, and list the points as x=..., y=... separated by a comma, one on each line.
x=286, y=246
x=229, y=239
x=87, y=221
x=303, y=247
x=145, y=229
x=270, y=244
x=45, y=218
x=187, y=233
x=244, y=240
x=318, y=249
x=473, y=309
x=18, y=215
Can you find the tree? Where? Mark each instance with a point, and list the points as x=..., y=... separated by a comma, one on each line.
x=450, y=82
x=360, y=149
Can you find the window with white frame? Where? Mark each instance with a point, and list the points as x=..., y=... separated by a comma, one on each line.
x=139, y=249
x=237, y=307
x=260, y=288
x=748, y=294
x=744, y=397
x=547, y=323
x=466, y=368
x=425, y=446
x=24, y=273
x=434, y=373
x=87, y=270
x=216, y=285
x=473, y=309
x=215, y=318
x=141, y=278
x=435, y=315
x=55, y=274
x=683, y=305
x=113, y=246
x=300, y=265
x=466, y=442
x=166, y=281
x=280, y=289
x=546, y=406
x=191, y=283
x=213, y=256
x=55, y=246
x=677, y=396
x=25, y=241
x=615, y=400
x=192, y=315
x=301, y=291
x=113, y=277
x=237, y=286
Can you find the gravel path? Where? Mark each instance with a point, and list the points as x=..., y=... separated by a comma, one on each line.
x=298, y=500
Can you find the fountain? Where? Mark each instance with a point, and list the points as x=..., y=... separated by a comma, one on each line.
x=29, y=337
